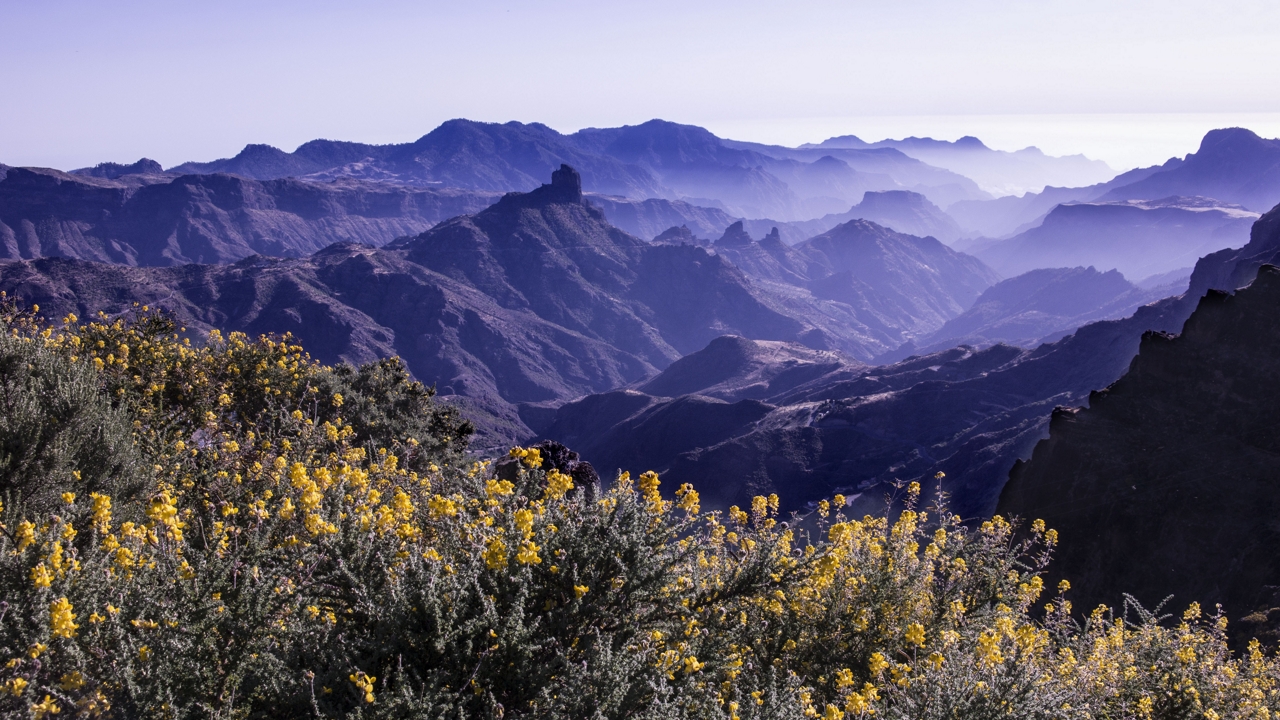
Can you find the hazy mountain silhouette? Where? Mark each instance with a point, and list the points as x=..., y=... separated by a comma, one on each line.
x=997, y=171
x=1009, y=215
x=898, y=284
x=1139, y=238
x=1232, y=165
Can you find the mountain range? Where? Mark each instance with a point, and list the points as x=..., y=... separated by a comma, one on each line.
x=657, y=159
x=533, y=300
x=1233, y=166
x=997, y=171
x=804, y=426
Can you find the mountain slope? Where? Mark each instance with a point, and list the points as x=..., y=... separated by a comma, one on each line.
x=1166, y=483
x=899, y=285
x=1028, y=309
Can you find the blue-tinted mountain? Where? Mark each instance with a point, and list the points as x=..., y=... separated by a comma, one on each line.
x=907, y=212
x=521, y=306
x=649, y=218
x=168, y=220
x=1233, y=165
x=1137, y=237
x=487, y=157
x=899, y=285
x=1009, y=215
x=997, y=171
x=657, y=159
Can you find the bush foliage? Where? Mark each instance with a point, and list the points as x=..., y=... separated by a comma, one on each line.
x=233, y=530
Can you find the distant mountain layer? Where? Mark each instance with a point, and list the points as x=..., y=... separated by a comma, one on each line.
x=997, y=171
x=528, y=303
x=166, y=220
x=1038, y=305
x=657, y=159
x=805, y=427
x=1137, y=237
x=1232, y=165
x=1167, y=483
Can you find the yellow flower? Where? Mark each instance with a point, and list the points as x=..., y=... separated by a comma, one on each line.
x=878, y=663
x=365, y=684
x=580, y=590
x=691, y=665
x=40, y=576
x=832, y=713
x=46, y=707
x=144, y=653
x=26, y=535
x=69, y=498
x=558, y=484
x=495, y=554
x=101, y=506
x=15, y=686
x=337, y=402
x=62, y=618
x=915, y=634
x=688, y=499
x=36, y=650
x=524, y=521
x=528, y=554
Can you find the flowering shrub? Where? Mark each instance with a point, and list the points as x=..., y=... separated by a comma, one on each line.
x=282, y=539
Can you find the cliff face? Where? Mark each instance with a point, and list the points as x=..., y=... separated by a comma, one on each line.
x=1169, y=482
x=162, y=220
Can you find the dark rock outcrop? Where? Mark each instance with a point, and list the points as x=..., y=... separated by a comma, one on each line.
x=1169, y=482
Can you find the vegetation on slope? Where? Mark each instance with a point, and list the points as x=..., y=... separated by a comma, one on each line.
x=233, y=530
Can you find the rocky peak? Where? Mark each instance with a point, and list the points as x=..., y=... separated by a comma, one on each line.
x=565, y=189
x=773, y=238
x=734, y=236
x=111, y=170
x=676, y=235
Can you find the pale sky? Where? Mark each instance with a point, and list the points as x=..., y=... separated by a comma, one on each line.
x=1130, y=82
